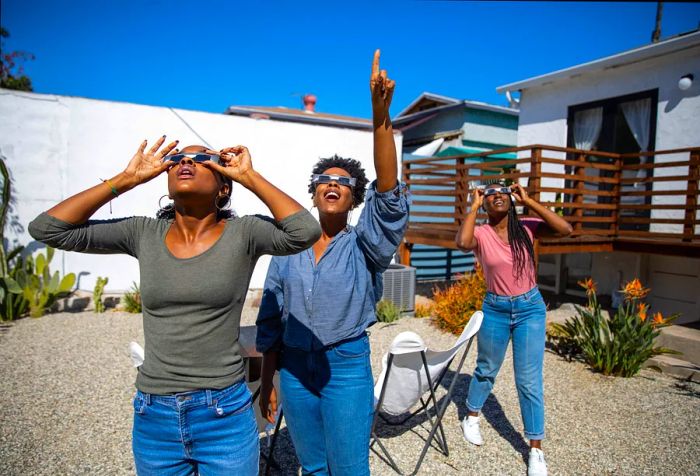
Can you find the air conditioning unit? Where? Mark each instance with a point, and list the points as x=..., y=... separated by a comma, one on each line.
x=400, y=286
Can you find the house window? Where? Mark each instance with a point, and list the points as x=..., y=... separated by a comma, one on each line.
x=623, y=124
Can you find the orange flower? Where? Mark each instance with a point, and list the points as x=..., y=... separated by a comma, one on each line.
x=589, y=285
x=658, y=318
x=642, y=311
x=635, y=290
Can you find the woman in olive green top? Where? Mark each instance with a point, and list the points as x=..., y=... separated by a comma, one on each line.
x=192, y=410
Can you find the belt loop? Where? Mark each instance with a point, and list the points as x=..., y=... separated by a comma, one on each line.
x=207, y=392
x=147, y=398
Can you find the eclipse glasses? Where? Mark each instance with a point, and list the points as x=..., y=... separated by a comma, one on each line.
x=493, y=191
x=195, y=156
x=339, y=179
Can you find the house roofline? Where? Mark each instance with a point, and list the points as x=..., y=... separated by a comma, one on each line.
x=363, y=124
x=677, y=43
x=399, y=120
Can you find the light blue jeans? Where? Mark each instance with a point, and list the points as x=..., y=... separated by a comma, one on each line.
x=205, y=432
x=327, y=398
x=521, y=318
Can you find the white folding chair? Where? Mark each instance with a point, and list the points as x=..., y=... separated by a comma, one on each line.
x=411, y=373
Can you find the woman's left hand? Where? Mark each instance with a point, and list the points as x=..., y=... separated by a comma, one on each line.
x=235, y=164
x=520, y=194
x=381, y=87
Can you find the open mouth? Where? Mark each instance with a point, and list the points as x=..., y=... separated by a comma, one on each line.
x=331, y=196
x=185, y=172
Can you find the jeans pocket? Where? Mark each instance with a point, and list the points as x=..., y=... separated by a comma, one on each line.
x=139, y=404
x=353, y=349
x=234, y=403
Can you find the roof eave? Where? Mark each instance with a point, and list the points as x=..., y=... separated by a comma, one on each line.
x=642, y=53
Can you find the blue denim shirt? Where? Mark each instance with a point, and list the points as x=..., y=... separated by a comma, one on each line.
x=309, y=306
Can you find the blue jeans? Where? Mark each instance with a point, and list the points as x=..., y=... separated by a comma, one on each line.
x=204, y=432
x=522, y=318
x=327, y=398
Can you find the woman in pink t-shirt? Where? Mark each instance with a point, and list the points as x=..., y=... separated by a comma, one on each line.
x=513, y=307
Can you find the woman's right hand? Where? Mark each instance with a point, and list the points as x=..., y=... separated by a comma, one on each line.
x=477, y=199
x=147, y=165
x=268, y=402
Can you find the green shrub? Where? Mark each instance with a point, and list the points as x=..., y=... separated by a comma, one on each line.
x=132, y=300
x=40, y=288
x=453, y=306
x=12, y=301
x=97, y=294
x=617, y=345
x=387, y=311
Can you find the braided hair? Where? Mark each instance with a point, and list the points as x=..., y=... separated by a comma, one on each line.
x=518, y=239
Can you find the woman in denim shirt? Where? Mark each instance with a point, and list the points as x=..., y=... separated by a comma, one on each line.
x=317, y=305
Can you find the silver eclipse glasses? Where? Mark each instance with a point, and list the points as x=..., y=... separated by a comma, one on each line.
x=195, y=156
x=339, y=179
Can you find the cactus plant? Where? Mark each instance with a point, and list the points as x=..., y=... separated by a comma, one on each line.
x=97, y=294
x=39, y=287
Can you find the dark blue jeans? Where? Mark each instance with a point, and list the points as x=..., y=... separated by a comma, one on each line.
x=327, y=398
x=521, y=318
x=206, y=432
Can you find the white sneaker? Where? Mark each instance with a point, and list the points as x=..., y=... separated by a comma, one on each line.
x=536, y=466
x=470, y=428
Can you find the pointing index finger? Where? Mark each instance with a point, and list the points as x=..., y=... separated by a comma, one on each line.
x=375, y=62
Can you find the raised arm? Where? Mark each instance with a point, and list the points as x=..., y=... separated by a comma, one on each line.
x=382, y=89
x=465, y=236
x=556, y=225
x=144, y=166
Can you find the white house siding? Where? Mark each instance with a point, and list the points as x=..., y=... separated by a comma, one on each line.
x=56, y=146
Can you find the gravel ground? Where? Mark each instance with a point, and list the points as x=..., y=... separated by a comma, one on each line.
x=66, y=388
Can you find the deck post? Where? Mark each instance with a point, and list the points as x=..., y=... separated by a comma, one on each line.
x=579, y=172
x=691, y=197
x=534, y=182
x=616, y=189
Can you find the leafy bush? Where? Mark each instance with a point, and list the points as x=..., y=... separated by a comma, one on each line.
x=453, y=306
x=97, y=294
x=617, y=345
x=387, y=311
x=423, y=310
x=132, y=300
x=39, y=287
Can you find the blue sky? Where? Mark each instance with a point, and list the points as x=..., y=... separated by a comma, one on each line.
x=207, y=55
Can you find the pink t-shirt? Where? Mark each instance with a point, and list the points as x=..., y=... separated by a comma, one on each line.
x=496, y=259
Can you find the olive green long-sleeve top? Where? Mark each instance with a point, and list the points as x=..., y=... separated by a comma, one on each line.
x=192, y=306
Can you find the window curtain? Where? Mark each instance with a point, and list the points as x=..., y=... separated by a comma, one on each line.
x=587, y=125
x=637, y=115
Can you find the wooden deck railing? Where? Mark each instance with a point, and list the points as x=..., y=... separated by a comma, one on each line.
x=645, y=202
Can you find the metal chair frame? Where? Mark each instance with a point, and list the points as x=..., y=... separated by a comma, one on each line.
x=436, y=425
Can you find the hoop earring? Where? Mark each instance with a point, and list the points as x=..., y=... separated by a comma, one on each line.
x=222, y=207
x=166, y=207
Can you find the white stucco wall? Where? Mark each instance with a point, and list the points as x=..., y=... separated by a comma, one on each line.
x=56, y=146
x=544, y=111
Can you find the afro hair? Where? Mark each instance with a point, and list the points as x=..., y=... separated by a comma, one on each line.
x=351, y=166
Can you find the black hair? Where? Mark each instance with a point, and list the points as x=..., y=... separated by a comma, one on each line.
x=168, y=211
x=351, y=166
x=518, y=239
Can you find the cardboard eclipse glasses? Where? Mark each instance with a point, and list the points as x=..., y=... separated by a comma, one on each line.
x=195, y=156
x=339, y=179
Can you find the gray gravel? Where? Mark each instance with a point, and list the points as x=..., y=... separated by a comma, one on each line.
x=66, y=388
